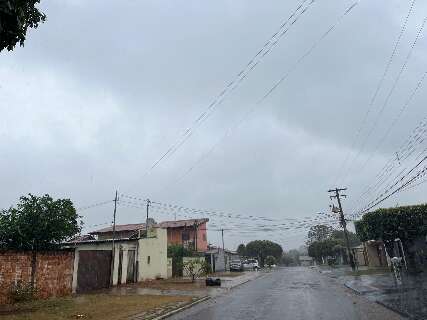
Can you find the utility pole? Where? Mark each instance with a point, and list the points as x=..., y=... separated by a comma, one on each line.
x=338, y=196
x=223, y=250
x=146, y=220
x=195, y=236
x=113, y=249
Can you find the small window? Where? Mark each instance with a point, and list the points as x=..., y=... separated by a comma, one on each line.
x=204, y=237
x=185, y=236
x=148, y=260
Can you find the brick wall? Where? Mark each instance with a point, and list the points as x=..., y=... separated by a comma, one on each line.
x=53, y=277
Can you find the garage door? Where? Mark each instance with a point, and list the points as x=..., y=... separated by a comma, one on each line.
x=94, y=270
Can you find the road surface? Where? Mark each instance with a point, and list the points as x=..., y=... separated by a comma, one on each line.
x=289, y=293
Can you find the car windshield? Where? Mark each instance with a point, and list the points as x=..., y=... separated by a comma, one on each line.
x=227, y=159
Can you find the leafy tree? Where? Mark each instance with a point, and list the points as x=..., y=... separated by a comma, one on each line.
x=286, y=259
x=38, y=223
x=270, y=261
x=319, y=250
x=196, y=268
x=263, y=248
x=16, y=16
x=241, y=250
x=295, y=256
x=177, y=252
x=352, y=237
x=319, y=232
x=291, y=258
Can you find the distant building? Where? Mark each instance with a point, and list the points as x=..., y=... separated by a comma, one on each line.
x=306, y=261
x=219, y=259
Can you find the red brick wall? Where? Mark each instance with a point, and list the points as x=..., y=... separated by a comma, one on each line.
x=53, y=277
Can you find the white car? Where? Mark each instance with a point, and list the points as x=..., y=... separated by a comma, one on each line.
x=250, y=264
x=236, y=265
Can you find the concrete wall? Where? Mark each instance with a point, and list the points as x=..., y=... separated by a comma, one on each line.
x=375, y=255
x=53, y=275
x=152, y=257
x=202, y=238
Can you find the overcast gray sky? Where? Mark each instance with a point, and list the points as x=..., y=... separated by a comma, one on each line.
x=104, y=88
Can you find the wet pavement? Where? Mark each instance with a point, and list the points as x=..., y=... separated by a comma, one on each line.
x=408, y=297
x=227, y=283
x=289, y=293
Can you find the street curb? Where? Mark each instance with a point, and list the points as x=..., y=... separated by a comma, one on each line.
x=351, y=288
x=187, y=306
x=402, y=313
x=246, y=281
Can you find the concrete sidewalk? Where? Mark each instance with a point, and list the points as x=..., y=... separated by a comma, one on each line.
x=408, y=298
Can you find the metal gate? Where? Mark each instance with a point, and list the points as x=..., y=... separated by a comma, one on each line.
x=131, y=275
x=94, y=270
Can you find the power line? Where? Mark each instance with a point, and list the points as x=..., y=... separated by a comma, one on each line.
x=94, y=205
x=405, y=150
x=231, y=86
x=377, y=90
x=399, y=175
x=387, y=99
x=385, y=195
x=237, y=125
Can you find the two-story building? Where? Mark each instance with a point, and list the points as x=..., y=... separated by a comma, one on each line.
x=191, y=233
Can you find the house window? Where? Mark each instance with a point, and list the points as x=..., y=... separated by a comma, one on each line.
x=148, y=260
x=204, y=237
x=185, y=236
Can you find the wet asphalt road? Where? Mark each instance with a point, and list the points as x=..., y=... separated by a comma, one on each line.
x=289, y=293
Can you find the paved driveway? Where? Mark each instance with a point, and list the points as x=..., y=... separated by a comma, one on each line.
x=289, y=293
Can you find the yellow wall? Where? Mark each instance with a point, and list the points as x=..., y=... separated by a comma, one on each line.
x=154, y=249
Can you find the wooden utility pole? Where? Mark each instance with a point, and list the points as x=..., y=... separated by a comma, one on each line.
x=223, y=250
x=146, y=220
x=113, y=249
x=338, y=196
x=195, y=236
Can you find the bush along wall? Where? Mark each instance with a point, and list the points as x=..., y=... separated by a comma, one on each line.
x=408, y=223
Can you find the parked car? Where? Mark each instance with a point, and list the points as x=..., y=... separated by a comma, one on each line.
x=236, y=265
x=251, y=264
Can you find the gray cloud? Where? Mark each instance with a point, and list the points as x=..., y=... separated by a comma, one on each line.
x=102, y=89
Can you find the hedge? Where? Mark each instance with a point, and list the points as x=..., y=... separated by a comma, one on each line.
x=406, y=223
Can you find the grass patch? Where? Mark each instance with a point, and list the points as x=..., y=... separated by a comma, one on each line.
x=368, y=272
x=94, y=307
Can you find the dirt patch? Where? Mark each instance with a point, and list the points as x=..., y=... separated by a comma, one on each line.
x=227, y=274
x=174, y=284
x=94, y=307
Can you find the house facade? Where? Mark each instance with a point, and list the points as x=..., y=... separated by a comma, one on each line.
x=96, y=267
x=191, y=233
